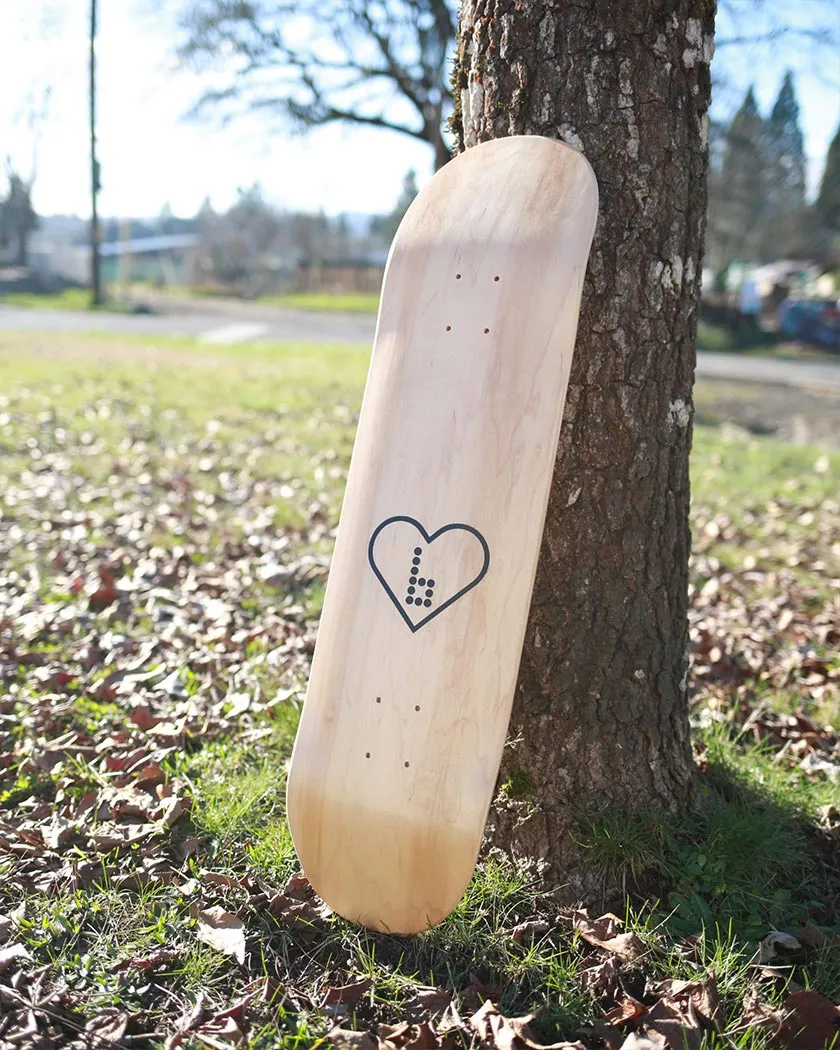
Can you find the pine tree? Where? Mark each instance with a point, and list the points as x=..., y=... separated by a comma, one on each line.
x=784, y=227
x=407, y=195
x=743, y=181
x=827, y=206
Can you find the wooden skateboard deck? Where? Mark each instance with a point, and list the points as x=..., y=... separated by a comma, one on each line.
x=424, y=617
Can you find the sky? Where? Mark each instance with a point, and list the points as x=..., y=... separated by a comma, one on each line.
x=152, y=155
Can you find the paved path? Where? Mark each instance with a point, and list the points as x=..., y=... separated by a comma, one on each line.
x=236, y=326
x=245, y=323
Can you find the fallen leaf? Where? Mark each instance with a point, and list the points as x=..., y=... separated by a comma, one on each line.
x=427, y=1002
x=530, y=930
x=810, y=1022
x=343, y=1039
x=10, y=954
x=510, y=1033
x=603, y=933
x=677, y=1021
x=627, y=1010
x=108, y=1026
x=767, y=948
x=222, y=930
x=703, y=995
x=339, y=1002
x=603, y=977
x=407, y=1037
x=757, y=1014
x=647, y=1041
x=220, y=1034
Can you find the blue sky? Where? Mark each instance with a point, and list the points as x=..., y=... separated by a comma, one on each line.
x=152, y=156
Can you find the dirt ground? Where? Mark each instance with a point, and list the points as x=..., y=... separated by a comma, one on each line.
x=804, y=417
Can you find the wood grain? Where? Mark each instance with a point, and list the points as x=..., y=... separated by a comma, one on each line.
x=405, y=718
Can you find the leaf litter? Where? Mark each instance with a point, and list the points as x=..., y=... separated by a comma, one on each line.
x=154, y=604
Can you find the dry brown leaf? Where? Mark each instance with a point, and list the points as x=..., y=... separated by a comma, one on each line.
x=148, y=962
x=220, y=1034
x=775, y=939
x=646, y=1041
x=530, y=930
x=678, y=1021
x=10, y=955
x=811, y=1022
x=339, y=1002
x=342, y=1039
x=604, y=933
x=703, y=995
x=627, y=1010
x=510, y=1033
x=108, y=1026
x=407, y=1037
x=222, y=930
x=298, y=904
x=757, y=1014
x=427, y=1002
x=603, y=977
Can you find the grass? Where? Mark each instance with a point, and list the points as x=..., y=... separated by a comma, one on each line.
x=79, y=299
x=67, y=299
x=363, y=303
x=211, y=478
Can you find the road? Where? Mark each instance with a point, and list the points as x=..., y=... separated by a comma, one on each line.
x=243, y=323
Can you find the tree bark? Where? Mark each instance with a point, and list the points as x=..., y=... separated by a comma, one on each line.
x=601, y=714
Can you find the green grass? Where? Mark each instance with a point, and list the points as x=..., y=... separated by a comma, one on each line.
x=79, y=299
x=210, y=479
x=68, y=299
x=364, y=303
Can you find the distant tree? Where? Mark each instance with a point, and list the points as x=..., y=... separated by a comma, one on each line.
x=289, y=56
x=784, y=227
x=17, y=216
x=827, y=205
x=234, y=247
x=741, y=202
x=407, y=195
x=717, y=238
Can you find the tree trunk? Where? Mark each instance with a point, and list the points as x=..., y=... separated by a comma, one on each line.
x=601, y=715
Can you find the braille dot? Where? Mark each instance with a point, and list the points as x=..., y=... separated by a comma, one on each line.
x=422, y=582
x=409, y=601
x=412, y=579
x=411, y=590
x=430, y=583
x=418, y=550
x=415, y=561
x=427, y=603
x=430, y=593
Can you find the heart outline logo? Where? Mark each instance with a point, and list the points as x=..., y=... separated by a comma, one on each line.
x=414, y=627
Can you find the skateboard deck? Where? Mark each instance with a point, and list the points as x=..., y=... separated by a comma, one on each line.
x=424, y=616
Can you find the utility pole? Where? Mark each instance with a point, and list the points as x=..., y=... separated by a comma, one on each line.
x=95, y=276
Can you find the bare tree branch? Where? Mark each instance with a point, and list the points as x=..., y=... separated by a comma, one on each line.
x=353, y=61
